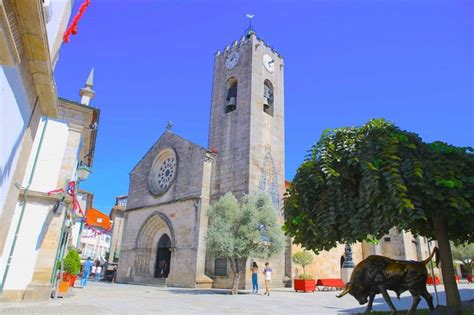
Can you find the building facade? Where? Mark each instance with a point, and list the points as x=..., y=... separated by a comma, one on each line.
x=30, y=38
x=38, y=232
x=117, y=217
x=174, y=183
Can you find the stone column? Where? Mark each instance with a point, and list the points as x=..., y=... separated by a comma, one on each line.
x=203, y=281
x=40, y=286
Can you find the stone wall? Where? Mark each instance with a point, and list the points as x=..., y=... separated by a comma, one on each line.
x=327, y=264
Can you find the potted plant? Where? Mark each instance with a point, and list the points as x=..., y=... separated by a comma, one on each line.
x=304, y=282
x=72, y=266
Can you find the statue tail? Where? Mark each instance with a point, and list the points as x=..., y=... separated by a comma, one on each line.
x=435, y=253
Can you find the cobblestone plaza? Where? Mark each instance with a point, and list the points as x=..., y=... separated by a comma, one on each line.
x=105, y=298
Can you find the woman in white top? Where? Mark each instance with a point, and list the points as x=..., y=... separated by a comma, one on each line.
x=93, y=271
x=268, y=277
x=98, y=273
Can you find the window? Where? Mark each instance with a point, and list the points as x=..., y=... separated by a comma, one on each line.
x=386, y=239
x=231, y=98
x=121, y=201
x=268, y=97
x=220, y=267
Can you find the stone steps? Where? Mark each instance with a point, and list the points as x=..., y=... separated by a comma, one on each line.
x=155, y=282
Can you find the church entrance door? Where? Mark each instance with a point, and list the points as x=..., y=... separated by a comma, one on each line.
x=163, y=257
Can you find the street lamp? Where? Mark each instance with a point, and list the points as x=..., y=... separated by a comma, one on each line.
x=83, y=172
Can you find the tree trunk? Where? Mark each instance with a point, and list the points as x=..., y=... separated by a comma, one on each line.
x=239, y=264
x=451, y=289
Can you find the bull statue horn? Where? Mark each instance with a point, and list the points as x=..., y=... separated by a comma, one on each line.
x=346, y=290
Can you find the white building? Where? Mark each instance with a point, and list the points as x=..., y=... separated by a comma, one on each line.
x=94, y=246
x=37, y=235
x=27, y=87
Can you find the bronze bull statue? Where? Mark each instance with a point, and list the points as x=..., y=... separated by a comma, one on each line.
x=377, y=274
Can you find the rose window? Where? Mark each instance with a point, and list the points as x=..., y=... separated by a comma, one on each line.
x=163, y=172
x=166, y=173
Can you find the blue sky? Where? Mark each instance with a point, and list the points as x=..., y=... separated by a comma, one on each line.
x=411, y=62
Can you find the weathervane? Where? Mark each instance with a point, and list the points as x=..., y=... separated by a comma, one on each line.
x=250, y=29
x=250, y=17
x=169, y=125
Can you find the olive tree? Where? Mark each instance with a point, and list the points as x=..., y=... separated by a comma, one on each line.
x=239, y=231
x=304, y=259
x=464, y=253
x=360, y=182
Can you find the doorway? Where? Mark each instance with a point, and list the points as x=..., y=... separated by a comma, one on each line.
x=163, y=257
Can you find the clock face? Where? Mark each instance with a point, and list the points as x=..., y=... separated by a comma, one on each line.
x=268, y=63
x=232, y=60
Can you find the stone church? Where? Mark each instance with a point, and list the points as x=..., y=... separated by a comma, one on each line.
x=174, y=183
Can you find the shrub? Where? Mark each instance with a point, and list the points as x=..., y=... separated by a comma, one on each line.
x=72, y=262
x=305, y=277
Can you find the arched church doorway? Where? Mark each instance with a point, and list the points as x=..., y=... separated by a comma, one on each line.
x=154, y=241
x=163, y=257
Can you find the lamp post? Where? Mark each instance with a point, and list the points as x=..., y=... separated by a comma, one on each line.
x=83, y=172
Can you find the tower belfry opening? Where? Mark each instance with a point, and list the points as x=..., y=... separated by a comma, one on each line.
x=231, y=99
x=268, y=97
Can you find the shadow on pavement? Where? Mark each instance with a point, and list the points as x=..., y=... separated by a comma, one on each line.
x=405, y=302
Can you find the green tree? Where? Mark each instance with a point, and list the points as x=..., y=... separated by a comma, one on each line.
x=241, y=231
x=464, y=253
x=357, y=183
x=304, y=259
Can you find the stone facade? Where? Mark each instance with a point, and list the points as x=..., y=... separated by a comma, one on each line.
x=249, y=140
x=180, y=213
x=248, y=143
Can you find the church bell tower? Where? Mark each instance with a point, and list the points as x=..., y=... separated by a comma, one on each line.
x=247, y=120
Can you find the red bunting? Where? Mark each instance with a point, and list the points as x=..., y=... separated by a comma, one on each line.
x=95, y=231
x=72, y=29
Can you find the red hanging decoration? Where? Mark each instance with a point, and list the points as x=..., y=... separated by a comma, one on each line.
x=96, y=232
x=72, y=29
x=71, y=191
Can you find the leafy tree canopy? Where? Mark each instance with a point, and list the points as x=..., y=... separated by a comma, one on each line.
x=360, y=182
x=303, y=258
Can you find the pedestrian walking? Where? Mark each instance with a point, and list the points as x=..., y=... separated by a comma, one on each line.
x=254, y=277
x=98, y=273
x=93, y=270
x=268, y=277
x=86, y=269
